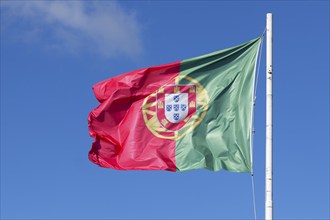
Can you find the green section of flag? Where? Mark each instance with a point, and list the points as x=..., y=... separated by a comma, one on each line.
x=222, y=139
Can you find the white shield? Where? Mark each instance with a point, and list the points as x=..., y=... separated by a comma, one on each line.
x=176, y=107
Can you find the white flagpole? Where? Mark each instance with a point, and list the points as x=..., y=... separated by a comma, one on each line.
x=269, y=119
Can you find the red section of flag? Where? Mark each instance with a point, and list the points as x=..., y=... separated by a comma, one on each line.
x=122, y=140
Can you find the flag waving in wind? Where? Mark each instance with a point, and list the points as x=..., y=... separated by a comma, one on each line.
x=192, y=114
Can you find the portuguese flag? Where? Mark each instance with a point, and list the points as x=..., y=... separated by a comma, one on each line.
x=191, y=114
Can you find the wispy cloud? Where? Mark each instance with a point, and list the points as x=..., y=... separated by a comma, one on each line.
x=102, y=27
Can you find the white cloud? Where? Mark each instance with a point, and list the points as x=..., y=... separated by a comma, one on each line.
x=99, y=26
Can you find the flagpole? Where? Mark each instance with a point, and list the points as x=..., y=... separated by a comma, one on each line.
x=269, y=119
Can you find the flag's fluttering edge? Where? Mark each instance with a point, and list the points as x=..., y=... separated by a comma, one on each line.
x=192, y=114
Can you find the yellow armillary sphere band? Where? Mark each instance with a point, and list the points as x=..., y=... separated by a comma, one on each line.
x=151, y=120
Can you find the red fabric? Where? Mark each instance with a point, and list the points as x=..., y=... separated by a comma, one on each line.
x=122, y=140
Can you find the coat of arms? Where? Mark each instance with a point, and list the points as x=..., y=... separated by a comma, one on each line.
x=175, y=105
x=175, y=108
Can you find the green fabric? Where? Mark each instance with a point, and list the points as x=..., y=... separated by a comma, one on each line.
x=222, y=139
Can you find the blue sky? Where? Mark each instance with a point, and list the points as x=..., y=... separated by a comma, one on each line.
x=53, y=52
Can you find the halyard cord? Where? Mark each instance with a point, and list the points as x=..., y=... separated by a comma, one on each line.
x=254, y=198
x=258, y=66
x=255, y=86
x=254, y=101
